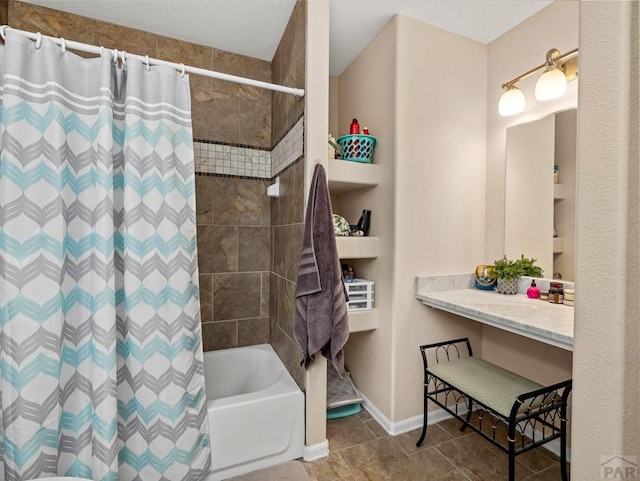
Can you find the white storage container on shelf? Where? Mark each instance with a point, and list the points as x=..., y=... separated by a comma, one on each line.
x=360, y=294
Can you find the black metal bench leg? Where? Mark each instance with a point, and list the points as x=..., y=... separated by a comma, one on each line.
x=466, y=423
x=424, y=422
x=563, y=444
x=511, y=439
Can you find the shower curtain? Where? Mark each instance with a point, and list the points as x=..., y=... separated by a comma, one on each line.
x=101, y=372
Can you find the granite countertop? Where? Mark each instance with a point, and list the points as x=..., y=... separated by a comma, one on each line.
x=533, y=318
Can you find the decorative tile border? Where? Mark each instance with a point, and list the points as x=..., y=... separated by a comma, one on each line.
x=246, y=161
x=289, y=149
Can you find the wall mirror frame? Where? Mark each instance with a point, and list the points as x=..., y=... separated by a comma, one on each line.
x=540, y=192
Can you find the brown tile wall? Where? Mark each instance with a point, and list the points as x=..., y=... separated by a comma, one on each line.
x=4, y=12
x=222, y=111
x=287, y=211
x=234, y=245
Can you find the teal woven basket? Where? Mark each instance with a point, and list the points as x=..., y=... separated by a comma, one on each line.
x=357, y=148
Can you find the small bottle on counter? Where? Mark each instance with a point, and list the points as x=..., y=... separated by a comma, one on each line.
x=533, y=292
x=556, y=292
x=365, y=131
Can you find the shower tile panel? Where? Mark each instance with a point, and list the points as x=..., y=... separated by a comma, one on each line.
x=239, y=202
x=253, y=331
x=236, y=296
x=217, y=249
x=265, y=297
x=254, y=249
x=219, y=335
x=206, y=297
x=231, y=160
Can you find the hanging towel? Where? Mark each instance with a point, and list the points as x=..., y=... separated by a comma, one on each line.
x=320, y=319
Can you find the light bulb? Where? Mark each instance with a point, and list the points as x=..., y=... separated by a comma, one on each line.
x=511, y=102
x=551, y=85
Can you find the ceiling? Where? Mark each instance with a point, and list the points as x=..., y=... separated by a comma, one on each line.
x=254, y=27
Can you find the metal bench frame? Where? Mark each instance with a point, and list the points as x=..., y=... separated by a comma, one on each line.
x=542, y=421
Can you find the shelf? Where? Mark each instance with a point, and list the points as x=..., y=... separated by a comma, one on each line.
x=558, y=191
x=346, y=176
x=558, y=245
x=364, y=320
x=357, y=247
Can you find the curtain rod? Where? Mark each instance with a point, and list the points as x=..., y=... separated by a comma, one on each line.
x=85, y=47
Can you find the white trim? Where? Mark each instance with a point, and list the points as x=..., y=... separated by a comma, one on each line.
x=405, y=425
x=316, y=451
x=436, y=416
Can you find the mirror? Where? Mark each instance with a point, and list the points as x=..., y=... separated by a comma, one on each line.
x=540, y=192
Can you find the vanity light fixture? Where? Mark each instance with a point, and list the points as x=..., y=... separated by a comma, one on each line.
x=558, y=70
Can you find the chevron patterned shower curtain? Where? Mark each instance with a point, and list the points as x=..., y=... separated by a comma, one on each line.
x=101, y=370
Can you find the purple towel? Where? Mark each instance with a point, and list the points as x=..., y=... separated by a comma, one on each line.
x=320, y=320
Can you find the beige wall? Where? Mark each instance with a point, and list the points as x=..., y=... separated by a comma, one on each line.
x=439, y=195
x=428, y=210
x=607, y=330
x=367, y=91
x=510, y=55
x=515, y=52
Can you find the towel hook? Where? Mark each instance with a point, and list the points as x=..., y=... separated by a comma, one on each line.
x=63, y=44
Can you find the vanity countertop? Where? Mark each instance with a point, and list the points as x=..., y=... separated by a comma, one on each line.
x=533, y=318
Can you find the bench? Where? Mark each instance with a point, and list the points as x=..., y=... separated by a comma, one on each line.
x=511, y=411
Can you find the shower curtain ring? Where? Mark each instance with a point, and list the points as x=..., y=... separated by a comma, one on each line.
x=3, y=31
x=183, y=70
x=38, y=40
x=63, y=44
x=115, y=56
x=124, y=58
x=146, y=58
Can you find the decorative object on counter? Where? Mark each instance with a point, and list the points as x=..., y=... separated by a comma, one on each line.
x=569, y=297
x=354, y=128
x=485, y=277
x=340, y=226
x=556, y=292
x=508, y=271
x=357, y=148
x=544, y=295
x=533, y=292
x=364, y=223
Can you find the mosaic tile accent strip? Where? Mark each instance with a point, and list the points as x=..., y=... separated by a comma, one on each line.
x=245, y=161
x=289, y=149
x=213, y=158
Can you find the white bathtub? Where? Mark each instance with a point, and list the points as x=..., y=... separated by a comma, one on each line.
x=255, y=410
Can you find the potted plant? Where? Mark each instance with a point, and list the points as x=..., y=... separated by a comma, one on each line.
x=508, y=271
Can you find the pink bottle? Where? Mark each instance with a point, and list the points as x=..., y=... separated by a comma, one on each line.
x=533, y=292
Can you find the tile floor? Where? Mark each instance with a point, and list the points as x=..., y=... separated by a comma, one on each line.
x=361, y=450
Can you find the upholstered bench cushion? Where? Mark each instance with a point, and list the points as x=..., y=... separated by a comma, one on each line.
x=492, y=385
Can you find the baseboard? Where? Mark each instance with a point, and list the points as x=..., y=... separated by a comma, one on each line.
x=436, y=416
x=405, y=425
x=316, y=451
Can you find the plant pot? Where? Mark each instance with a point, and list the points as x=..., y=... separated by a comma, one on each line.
x=509, y=286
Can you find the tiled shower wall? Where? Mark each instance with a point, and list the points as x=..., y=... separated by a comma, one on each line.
x=287, y=211
x=234, y=214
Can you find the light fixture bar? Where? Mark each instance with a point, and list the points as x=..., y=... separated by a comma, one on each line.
x=558, y=60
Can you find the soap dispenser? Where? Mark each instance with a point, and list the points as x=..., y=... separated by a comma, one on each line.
x=533, y=292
